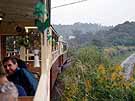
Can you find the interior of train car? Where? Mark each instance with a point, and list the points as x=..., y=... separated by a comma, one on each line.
x=26, y=33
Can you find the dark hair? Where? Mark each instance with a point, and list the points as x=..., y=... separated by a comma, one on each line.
x=12, y=58
x=2, y=71
x=15, y=60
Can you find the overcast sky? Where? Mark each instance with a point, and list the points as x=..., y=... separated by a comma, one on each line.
x=105, y=12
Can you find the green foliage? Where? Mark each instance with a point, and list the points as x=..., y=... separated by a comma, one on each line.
x=91, y=56
x=117, y=54
x=31, y=40
x=85, y=59
x=88, y=79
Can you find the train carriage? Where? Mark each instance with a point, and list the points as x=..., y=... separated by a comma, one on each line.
x=44, y=50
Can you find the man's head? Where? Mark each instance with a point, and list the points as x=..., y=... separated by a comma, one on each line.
x=10, y=65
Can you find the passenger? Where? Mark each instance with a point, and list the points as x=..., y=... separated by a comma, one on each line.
x=20, y=76
x=21, y=90
x=7, y=87
x=3, y=78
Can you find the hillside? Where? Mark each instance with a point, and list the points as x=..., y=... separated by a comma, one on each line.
x=79, y=28
x=122, y=34
x=82, y=34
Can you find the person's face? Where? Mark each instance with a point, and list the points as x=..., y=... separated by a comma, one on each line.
x=10, y=67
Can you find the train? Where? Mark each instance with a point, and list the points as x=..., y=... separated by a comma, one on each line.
x=44, y=52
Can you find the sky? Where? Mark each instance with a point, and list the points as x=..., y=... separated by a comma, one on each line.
x=104, y=12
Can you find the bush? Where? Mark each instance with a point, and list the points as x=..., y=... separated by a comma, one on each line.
x=91, y=78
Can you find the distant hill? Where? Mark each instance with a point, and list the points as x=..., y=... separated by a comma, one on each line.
x=83, y=34
x=121, y=34
x=79, y=28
